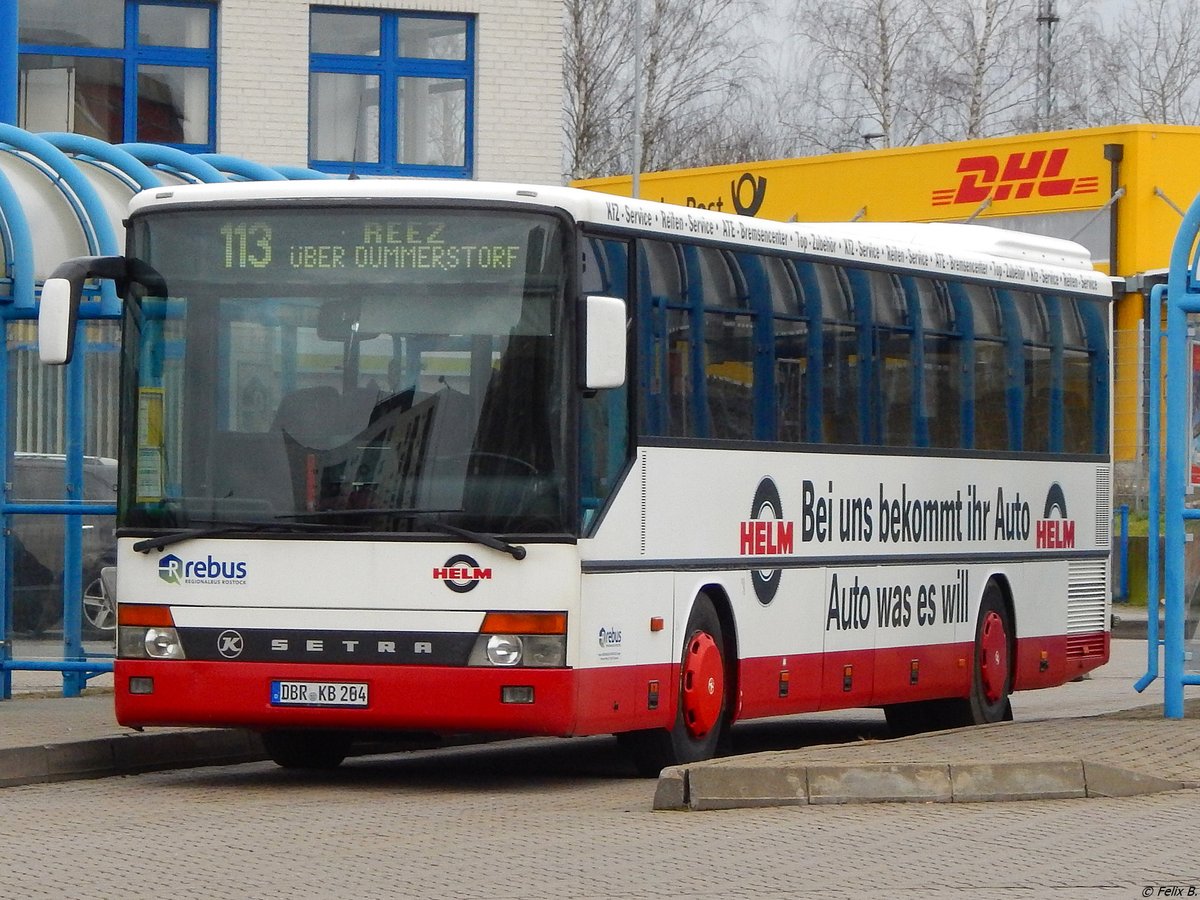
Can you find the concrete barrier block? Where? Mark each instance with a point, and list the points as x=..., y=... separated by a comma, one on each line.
x=740, y=787
x=1110, y=781
x=1036, y=780
x=886, y=783
x=671, y=790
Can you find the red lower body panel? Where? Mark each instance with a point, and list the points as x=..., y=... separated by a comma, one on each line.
x=402, y=698
x=571, y=701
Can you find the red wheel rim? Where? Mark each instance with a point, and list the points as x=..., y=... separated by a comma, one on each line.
x=703, y=685
x=993, y=657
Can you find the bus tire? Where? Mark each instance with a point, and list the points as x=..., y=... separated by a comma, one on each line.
x=306, y=749
x=702, y=713
x=992, y=666
x=917, y=717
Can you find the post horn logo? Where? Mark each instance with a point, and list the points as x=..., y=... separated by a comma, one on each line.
x=757, y=191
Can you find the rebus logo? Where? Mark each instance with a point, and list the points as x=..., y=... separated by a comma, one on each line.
x=461, y=573
x=170, y=568
x=1057, y=533
x=1016, y=176
x=174, y=570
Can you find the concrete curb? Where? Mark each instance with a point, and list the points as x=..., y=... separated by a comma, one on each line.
x=127, y=755
x=703, y=787
x=1132, y=625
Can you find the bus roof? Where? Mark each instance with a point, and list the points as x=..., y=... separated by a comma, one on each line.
x=970, y=251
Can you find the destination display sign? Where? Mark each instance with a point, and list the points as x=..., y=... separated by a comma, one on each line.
x=340, y=245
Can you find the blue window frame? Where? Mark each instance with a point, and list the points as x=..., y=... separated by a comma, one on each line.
x=128, y=70
x=391, y=92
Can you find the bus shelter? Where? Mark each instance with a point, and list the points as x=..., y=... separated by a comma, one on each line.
x=62, y=196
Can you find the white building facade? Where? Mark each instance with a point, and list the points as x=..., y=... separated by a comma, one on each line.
x=451, y=88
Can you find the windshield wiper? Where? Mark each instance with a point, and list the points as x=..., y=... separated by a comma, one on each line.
x=488, y=540
x=162, y=541
x=398, y=511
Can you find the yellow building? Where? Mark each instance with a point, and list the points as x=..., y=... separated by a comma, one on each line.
x=1119, y=191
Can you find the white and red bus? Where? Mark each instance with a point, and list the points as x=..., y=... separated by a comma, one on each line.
x=432, y=456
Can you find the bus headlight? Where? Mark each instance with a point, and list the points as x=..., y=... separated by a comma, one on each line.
x=504, y=650
x=528, y=640
x=147, y=631
x=138, y=642
x=163, y=643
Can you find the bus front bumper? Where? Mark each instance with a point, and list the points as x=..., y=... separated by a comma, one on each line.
x=269, y=696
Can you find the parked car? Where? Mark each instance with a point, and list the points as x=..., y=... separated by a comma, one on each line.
x=36, y=544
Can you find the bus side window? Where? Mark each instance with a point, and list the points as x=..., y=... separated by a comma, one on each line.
x=1078, y=398
x=790, y=332
x=664, y=340
x=604, y=415
x=840, y=397
x=894, y=347
x=937, y=360
x=728, y=345
x=991, y=370
x=1035, y=376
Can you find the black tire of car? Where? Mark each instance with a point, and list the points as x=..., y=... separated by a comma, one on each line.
x=321, y=750
x=702, y=716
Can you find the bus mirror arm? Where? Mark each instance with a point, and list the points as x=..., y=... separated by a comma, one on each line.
x=58, y=306
x=603, y=342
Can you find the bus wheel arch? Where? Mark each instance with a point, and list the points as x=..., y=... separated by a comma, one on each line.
x=706, y=692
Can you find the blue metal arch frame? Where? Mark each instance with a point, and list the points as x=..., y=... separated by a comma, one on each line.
x=180, y=162
x=139, y=175
x=18, y=246
x=98, y=229
x=1183, y=299
x=245, y=168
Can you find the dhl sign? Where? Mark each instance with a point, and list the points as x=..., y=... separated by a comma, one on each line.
x=1018, y=176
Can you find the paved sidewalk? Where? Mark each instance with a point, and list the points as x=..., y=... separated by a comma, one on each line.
x=46, y=738
x=1118, y=754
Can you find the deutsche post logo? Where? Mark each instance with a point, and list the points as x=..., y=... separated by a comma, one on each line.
x=1017, y=176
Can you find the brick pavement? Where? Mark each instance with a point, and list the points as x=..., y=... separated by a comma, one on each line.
x=48, y=738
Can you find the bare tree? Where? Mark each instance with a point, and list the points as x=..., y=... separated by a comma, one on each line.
x=984, y=54
x=691, y=81
x=596, y=63
x=1156, y=75
x=873, y=66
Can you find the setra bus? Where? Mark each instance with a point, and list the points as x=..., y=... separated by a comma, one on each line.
x=450, y=457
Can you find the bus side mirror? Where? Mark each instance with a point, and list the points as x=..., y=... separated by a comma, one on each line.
x=58, y=306
x=603, y=342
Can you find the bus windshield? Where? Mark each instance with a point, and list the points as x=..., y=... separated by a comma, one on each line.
x=373, y=368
